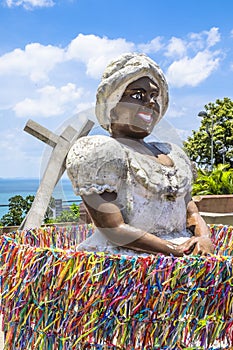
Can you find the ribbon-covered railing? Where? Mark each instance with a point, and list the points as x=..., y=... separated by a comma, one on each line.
x=57, y=298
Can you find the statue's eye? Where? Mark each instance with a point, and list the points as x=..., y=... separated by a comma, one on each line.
x=154, y=97
x=137, y=95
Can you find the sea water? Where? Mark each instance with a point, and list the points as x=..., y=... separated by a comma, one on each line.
x=24, y=187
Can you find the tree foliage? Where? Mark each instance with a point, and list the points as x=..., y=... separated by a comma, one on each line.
x=71, y=215
x=218, y=123
x=218, y=181
x=19, y=207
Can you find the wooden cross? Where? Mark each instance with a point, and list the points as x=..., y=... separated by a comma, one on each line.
x=56, y=166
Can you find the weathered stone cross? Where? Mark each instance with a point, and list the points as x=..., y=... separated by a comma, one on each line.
x=56, y=166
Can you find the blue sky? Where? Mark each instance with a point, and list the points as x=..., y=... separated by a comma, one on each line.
x=52, y=54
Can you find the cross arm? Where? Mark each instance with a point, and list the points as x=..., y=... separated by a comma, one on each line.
x=41, y=133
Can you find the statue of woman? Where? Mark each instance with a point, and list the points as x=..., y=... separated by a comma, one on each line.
x=136, y=192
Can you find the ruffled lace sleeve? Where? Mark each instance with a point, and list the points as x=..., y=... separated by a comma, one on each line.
x=96, y=164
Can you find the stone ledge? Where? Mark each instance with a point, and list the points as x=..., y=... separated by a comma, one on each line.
x=217, y=218
x=214, y=203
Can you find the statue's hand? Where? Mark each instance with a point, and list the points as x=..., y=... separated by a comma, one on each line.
x=187, y=247
x=203, y=246
x=196, y=246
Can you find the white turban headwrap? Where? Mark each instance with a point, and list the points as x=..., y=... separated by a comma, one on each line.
x=118, y=75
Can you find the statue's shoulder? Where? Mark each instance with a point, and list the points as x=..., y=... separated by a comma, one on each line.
x=98, y=146
x=96, y=151
x=96, y=164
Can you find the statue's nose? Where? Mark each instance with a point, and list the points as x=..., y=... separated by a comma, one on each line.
x=149, y=99
x=151, y=103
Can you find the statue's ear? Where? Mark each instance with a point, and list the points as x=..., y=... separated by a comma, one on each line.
x=113, y=119
x=113, y=115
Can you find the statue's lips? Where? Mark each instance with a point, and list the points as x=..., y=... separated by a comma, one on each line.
x=147, y=117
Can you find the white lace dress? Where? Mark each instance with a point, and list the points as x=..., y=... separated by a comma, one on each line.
x=151, y=196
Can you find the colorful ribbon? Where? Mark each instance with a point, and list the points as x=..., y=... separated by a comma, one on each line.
x=57, y=298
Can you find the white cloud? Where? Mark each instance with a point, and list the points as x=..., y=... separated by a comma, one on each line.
x=51, y=101
x=53, y=66
x=36, y=61
x=40, y=64
x=194, y=60
x=96, y=52
x=176, y=48
x=154, y=45
x=192, y=71
x=213, y=37
x=30, y=4
x=204, y=39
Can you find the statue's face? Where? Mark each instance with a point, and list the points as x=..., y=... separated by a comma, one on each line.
x=138, y=110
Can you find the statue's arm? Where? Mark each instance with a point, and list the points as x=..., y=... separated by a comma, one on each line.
x=200, y=229
x=107, y=216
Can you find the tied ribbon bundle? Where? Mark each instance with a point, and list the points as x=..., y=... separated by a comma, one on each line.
x=57, y=298
x=53, y=236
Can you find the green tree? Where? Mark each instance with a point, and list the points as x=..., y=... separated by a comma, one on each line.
x=218, y=123
x=218, y=181
x=18, y=208
x=71, y=215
